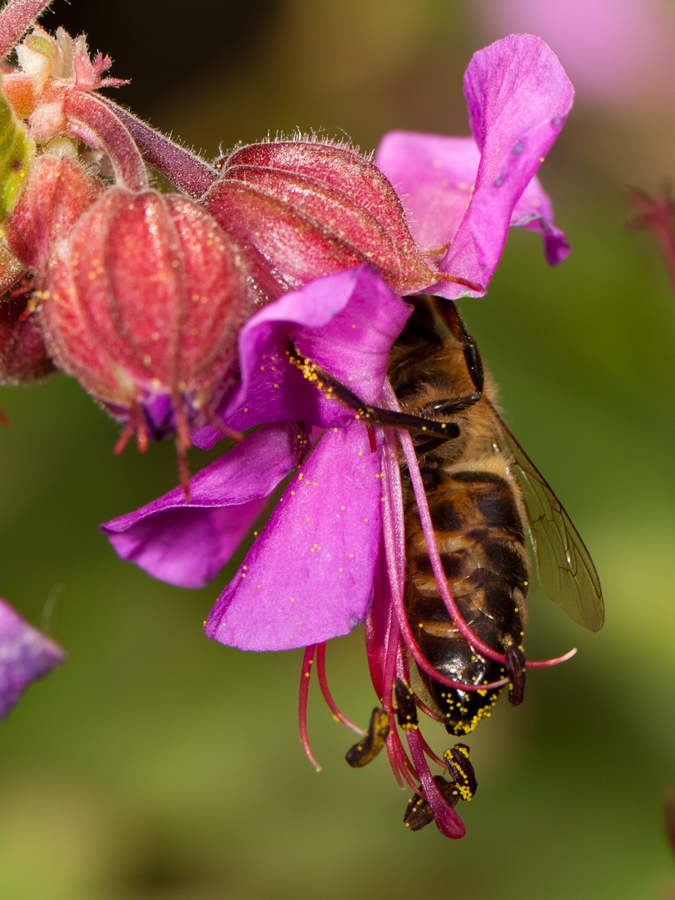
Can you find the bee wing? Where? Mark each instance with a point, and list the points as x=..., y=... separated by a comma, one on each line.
x=564, y=566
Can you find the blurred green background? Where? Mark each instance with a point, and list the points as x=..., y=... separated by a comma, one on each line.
x=156, y=764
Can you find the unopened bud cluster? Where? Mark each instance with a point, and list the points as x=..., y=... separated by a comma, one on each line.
x=141, y=295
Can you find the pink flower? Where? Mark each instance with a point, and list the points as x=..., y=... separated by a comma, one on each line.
x=25, y=656
x=331, y=556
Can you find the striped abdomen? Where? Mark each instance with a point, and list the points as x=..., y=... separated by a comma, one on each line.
x=480, y=534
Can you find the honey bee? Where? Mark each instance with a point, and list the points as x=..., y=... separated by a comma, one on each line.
x=491, y=510
x=495, y=518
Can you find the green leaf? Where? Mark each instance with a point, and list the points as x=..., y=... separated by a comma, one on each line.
x=16, y=155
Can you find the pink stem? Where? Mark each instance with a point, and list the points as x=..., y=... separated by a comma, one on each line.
x=402, y=671
x=447, y=820
x=393, y=761
x=441, y=581
x=373, y=633
x=187, y=171
x=307, y=662
x=434, y=555
x=394, y=541
x=327, y=696
x=15, y=20
x=93, y=122
x=546, y=663
x=401, y=763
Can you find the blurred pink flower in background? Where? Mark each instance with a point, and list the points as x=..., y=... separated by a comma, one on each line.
x=618, y=53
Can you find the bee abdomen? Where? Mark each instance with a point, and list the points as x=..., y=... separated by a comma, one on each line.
x=480, y=535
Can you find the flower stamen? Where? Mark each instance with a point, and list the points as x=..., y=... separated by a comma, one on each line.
x=328, y=697
x=307, y=662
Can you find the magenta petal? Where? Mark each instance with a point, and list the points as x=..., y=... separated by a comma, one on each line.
x=434, y=177
x=518, y=96
x=25, y=655
x=534, y=211
x=346, y=323
x=187, y=542
x=309, y=575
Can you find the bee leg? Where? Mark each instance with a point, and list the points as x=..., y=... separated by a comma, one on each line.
x=375, y=415
x=449, y=313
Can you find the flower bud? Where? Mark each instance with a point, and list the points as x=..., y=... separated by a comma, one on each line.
x=142, y=304
x=23, y=355
x=314, y=209
x=57, y=193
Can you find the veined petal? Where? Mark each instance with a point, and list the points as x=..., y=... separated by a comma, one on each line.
x=25, y=655
x=187, y=542
x=309, y=575
x=518, y=97
x=435, y=178
x=346, y=323
x=534, y=211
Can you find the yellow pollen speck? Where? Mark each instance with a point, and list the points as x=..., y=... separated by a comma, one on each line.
x=255, y=534
x=243, y=574
x=351, y=556
x=292, y=493
x=306, y=520
x=246, y=409
x=147, y=359
x=301, y=475
x=365, y=520
x=542, y=158
x=244, y=567
x=335, y=429
x=276, y=385
x=342, y=507
x=339, y=570
x=292, y=599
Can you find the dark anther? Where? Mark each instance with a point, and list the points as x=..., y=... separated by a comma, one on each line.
x=302, y=441
x=461, y=786
x=461, y=769
x=515, y=666
x=406, y=711
x=370, y=745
